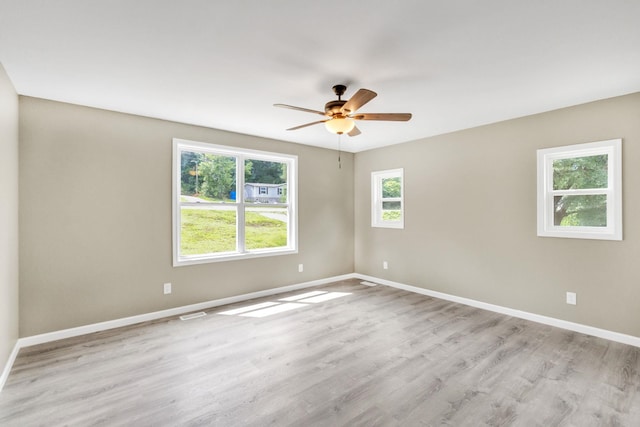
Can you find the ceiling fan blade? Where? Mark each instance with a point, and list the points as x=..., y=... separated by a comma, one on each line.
x=393, y=117
x=354, y=132
x=360, y=98
x=308, y=124
x=291, y=107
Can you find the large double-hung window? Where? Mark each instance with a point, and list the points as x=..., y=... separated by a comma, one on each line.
x=231, y=203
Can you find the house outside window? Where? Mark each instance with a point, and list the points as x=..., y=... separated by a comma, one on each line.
x=580, y=191
x=387, y=198
x=220, y=210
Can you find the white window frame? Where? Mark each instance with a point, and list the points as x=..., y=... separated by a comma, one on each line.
x=180, y=145
x=377, y=199
x=546, y=193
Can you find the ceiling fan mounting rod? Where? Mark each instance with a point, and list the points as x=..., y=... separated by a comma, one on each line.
x=339, y=90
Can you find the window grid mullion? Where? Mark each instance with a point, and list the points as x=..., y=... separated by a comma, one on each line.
x=241, y=205
x=580, y=192
x=289, y=188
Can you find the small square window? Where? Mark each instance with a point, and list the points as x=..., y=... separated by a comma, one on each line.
x=580, y=191
x=387, y=199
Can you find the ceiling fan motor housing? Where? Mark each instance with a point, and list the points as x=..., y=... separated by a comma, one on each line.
x=333, y=108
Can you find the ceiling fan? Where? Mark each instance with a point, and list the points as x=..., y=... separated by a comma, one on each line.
x=341, y=115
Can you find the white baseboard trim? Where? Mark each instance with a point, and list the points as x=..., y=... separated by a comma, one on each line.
x=126, y=321
x=9, y=364
x=551, y=321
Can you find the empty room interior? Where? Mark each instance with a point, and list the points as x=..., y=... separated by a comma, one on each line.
x=335, y=214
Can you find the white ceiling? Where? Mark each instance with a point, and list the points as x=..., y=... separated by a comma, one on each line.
x=222, y=64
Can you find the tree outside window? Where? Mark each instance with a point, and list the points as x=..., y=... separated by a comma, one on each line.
x=582, y=173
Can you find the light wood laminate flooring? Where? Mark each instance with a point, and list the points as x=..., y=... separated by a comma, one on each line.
x=370, y=356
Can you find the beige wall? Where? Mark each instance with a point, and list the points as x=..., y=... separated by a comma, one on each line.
x=470, y=227
x=95, y=218
x=8, y=217
x=95, y=230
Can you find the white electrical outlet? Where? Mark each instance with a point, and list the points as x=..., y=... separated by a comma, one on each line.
x=385, y=265
x=167, y=288
x=300, y=268
x=571, y=298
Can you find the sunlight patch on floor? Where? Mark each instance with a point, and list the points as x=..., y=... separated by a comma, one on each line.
x=273, y=310
x=325, y=297
x=303, y=296
x=268, y=308
x=248, y=308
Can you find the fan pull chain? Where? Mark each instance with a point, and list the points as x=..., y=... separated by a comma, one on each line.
x=339, y=152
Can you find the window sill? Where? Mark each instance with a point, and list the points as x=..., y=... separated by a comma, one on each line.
x=232, y=256
x=581, y=233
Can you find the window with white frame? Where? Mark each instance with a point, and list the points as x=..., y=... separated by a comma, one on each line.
x=387, y=198
x=580, y=191
x=219, y=210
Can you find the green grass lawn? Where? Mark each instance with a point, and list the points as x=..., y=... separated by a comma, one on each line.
x=391, y=215
x=210, y=231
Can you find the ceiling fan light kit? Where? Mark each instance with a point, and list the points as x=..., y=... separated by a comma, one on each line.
x=341, y=114
x=340, y=125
